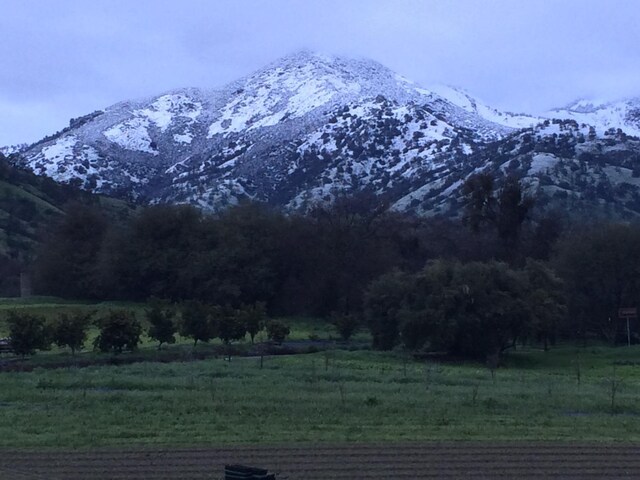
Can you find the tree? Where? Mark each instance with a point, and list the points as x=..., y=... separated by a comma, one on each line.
x=120, y=330
x=600, y=265
x=253, y=318
x=277, y=330
x=547, y=302
x=230, y=325
x=28, y=333
x=160, y=315
x=153, y=255
x=504, y=211
x=481, y=207
x=513, y=209
x=353, y=246
x=198, y=322
x=383, y=301
x=70, y=330
x=492, y=309
x=346, y=324
x=472, y=310
x=66, y=264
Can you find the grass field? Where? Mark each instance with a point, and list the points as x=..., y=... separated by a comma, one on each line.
x=333, y=396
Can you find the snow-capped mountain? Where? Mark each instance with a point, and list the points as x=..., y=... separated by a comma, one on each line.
x=12, y=149
x=465, y=100
x=295, y=132
x=603, y=116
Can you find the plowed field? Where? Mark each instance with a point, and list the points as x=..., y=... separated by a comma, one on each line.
x=349, y=461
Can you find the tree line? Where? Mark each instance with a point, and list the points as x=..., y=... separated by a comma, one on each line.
x=120, y=330
x=505, y=272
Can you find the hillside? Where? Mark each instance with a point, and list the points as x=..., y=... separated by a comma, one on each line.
x=309, y=126
x=29, y=204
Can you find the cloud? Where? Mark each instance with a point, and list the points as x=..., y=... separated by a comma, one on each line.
x=71, y=56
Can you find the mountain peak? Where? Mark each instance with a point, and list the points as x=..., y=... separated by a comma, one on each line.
x=585, y=105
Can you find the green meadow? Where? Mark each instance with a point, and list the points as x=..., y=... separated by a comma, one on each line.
x=570, y=393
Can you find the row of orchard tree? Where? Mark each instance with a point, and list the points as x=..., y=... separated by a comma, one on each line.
x=505, y=272
x=120, y=330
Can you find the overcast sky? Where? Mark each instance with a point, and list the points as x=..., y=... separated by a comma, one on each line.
x=65, y=58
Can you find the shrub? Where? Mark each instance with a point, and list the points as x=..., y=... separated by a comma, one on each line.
x=277, y=330
x=28, y=333
x=160, y=315
x=230, y=326
x=70, y=330
x=198, y=322
x=252, y=317
x=346, y=324
x=119, y=331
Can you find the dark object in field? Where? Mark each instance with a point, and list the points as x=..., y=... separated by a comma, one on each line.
x=240, y=472
x=5, y=345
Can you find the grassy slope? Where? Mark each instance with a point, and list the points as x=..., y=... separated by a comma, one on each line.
x=335, y=396
x=28, y=202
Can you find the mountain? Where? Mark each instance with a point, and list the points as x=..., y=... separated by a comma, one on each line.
x=603, y=116
x=465, y=100
x=310, y=126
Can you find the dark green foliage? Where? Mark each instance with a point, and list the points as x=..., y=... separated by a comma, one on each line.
x=245, y=266
x=382, y=304
x=513, y=209
x=338, y=258
x=253, y=318
x=600, y=268
x=120, y=330
x=70, y=330
x=346, y=324
x=547, y=302
x=199, y=321
x=492, y=309
x=66, y=266
x=28, y=204
x=277, y=330
x=28, y=333
x=481, y=207
x=230, y=325
x=474, y=309
x=504, y=211
x=154, y=255
x=160, y=316
x=352, y=242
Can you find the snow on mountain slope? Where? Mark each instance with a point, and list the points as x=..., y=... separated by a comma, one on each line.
x=603, y=116
x=204, y=136
x=471, y=104
x=308, y=126
x=11, y=149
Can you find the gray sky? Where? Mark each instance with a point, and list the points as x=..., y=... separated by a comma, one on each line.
x=65, y=58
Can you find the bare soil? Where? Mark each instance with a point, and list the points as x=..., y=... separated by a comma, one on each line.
x=443, y=460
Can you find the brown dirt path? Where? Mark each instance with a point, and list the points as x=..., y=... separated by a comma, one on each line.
x=442, y=460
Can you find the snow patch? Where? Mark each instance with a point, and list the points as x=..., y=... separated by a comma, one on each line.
x=183, y=137
x=166, y=108
x=277, y=95
x=132, y=134
x=542, y=162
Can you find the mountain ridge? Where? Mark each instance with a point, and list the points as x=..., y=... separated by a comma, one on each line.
x=301, y=129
